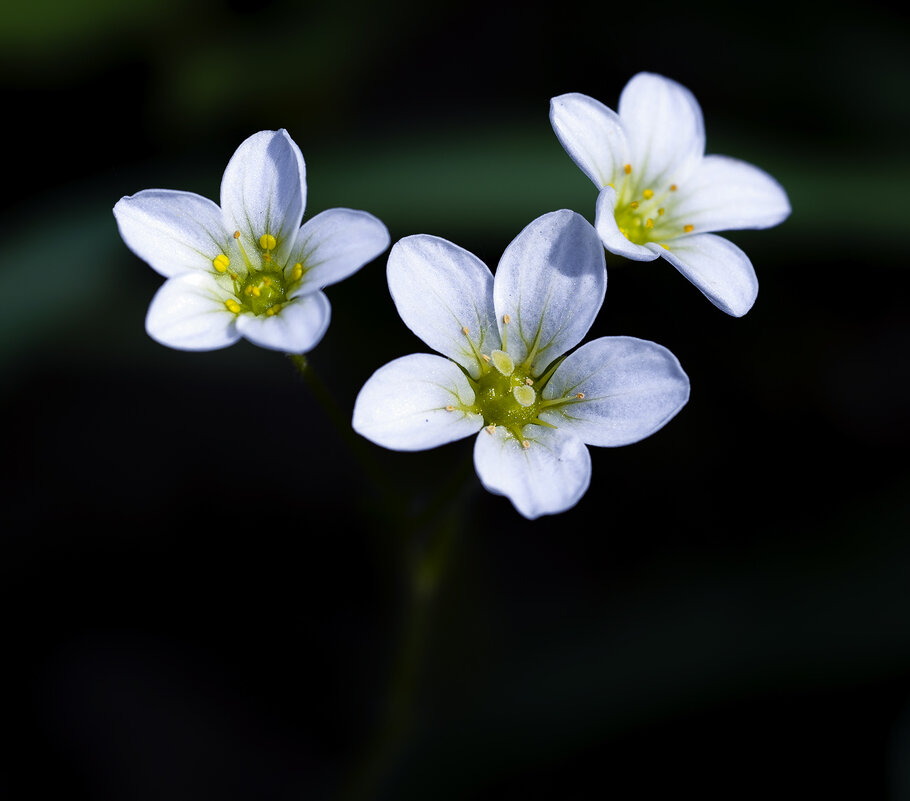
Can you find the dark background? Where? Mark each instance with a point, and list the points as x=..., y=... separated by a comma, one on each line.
x=204, y=592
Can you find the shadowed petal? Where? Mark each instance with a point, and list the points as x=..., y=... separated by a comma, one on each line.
x=175, y=232
x=551, y=282
x=403, y=404
x=631, y=388
x=548, y=477
x=188, y=313
x=609, y=233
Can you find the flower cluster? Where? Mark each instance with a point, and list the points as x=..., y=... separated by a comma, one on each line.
x=508, y=368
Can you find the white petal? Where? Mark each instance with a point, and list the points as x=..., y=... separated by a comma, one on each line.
x=263, y=191
x=665, y=129
x=403, y=404
x=547, y=478
x=188, y=313
x=724, y=193
x=297, y=328
x=440, y=289
x=631, y=388
x=609, y=233
x=337, y=243
x=175, y=232
x=592, y=135
x=551, y=282
x=717, y=267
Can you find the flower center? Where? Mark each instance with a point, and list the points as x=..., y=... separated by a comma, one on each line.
x=505, y=396
x=644, y=216
x=261, y=292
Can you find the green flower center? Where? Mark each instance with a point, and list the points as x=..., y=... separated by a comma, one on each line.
x=505, y=396
x=261, y=291
x=644, y=216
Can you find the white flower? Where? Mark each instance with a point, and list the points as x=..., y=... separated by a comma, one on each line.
x=507, y=375
x=660, y=195
x=246, y=268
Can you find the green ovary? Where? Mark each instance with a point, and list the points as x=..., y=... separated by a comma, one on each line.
x=506, y=400
x=261, y=291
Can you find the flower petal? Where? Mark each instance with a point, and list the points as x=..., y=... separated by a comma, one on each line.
x=717, y=267
x=337, y=243
x=263, y=191
x=551, y=282
x=547, y=478
x=440, y=289
x=609, y=233
x=297, y=328
x=188, y=313
x=175, y=232
x=724, y=194
x=592, y=135
x=631, y=388
x=664, y=127
x=402, y=406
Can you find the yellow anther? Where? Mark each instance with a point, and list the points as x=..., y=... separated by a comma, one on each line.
x=529, y=382
x=248, y=290
x=236, y=234
x=648, y=194
x=664, y=246
x=628, y=169
x=256, y=291
x=266, y=281
x=484, y=357
x=465, y=330
x=672, y=187
x=649, y=223
x=660, y=211
x=634, y=204
x=234, y=276
x=580, y=395
x=221, y=262
x=232, y=305
x=490, y=430
x=450, y=408
x=267, y=242
x=266, y=256
x=506, y=319
x=297, y=272
x=688, y=228
x=525, y=444
x=272, y=310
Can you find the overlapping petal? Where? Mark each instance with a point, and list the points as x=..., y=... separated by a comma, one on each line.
x=592, y=135
x=551, y=282
x=263, y=190
x=631, y=388
x=175, y=232
x=441, y=289
x=335, y=244
x=724, y=194
x=403, y=404
x=297, y=328
x=547, y=478
x=188, y=313
x=717, y=267
x=664, y=128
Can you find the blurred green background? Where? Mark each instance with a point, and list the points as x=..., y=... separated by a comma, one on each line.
x=203, y=594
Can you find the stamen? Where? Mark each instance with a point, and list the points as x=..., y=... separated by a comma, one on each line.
x=634, y=204
x=664, y=246
x=660, y=211
x=272, y=310
x=266, y=281
x=525, y=444
x=506, y=319
x=221, y=262
x=485, y=357
x=688, y=228
x=491, y=429
x=628, y=169
x=450, y=408
x=672, y=187
x=297, y=272
x=256, y=291
x=248, y=289
x=232, y=305
x=648, y=194
x=649, y=223
x=267, y=256
x=267, y=242
x=580, y=395
x=236, y=234
x=529, y=382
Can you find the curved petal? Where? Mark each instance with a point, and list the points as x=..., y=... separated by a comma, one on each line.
x=175, y=232
x=297, y=328
x=551, y=282
x=335, y=244
x=548, y=477
x=665, y=129
x=440, y=289
x=591, y=134
x=631, y=388
x=263, y=191
x=188, y=313
x=717, y=267
x=609, y=233
x=402, y=406
x=724, y=193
